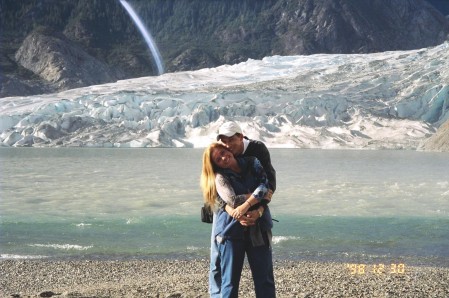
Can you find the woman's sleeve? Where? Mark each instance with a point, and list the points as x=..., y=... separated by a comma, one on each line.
x=260, y=192
x=226, y=191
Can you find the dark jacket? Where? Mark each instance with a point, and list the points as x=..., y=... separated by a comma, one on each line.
x=260, y=151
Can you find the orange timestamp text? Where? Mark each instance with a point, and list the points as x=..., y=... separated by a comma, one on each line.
x=360, y=269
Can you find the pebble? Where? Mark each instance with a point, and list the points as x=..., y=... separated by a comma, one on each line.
x=189, y=278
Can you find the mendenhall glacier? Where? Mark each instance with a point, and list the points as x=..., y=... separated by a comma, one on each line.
x=388, y=100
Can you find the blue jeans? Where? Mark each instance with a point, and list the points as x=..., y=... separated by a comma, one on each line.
x=260, y=261
x=231, y=254
x=215, y=268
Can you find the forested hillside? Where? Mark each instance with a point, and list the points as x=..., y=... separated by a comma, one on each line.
x=106, y=31
x=193, y=34
x=441, y=5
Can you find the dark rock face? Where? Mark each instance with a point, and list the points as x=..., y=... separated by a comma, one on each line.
x=12, y=86
x=350, y=26
x=203, y=36
x=192, y=57
x=61, y=63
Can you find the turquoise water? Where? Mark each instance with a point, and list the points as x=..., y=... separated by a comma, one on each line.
x=413, y=241
x=350, y=206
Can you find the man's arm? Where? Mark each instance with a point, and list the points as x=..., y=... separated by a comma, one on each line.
x=258, y=195
x=260, y=151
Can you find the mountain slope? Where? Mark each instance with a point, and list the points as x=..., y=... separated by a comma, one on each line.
x=196, y=34
x=342, y=26
x=61, y=63
x=438, y=141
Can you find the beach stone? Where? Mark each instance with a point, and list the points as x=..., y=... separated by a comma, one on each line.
x=189, y=278
x=47, y=294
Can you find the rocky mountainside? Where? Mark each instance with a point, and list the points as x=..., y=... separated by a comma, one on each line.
x=194, y=34
x=441, y=5
x=60, y=62
x=342, y=26
x=438, y=141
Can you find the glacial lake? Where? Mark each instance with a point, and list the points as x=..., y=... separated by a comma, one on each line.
x=338, y=205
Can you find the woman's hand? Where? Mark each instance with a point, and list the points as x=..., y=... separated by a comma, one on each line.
x=240, y=210
x=247, y=220
x=234, y=212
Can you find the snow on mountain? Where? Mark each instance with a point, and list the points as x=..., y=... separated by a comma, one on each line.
x=384, y=100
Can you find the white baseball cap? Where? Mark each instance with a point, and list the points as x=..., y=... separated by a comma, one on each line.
x=229, y=129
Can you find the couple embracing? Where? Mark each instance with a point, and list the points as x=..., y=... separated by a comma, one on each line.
x=238, y=181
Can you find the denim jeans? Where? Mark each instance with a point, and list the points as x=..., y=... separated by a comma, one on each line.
x=215, y=268
x=232, y=256
x=260, y=261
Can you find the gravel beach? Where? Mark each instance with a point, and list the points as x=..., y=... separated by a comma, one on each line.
x=188, y=278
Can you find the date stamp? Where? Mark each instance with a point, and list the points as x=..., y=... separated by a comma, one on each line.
x=379, y=269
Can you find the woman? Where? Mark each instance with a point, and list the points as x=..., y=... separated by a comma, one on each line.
x=238, y=185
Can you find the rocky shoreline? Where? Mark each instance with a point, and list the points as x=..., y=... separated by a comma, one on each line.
x=188, y=278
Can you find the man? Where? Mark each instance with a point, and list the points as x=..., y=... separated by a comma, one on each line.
x=231, y=135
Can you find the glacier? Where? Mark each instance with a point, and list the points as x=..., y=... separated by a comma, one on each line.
x=388, y=100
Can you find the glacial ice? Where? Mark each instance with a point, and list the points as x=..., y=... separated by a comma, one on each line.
x=369, y=101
